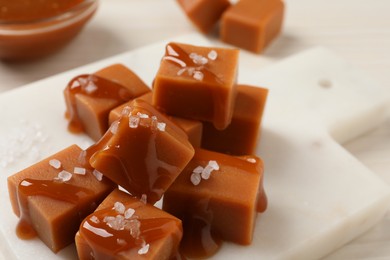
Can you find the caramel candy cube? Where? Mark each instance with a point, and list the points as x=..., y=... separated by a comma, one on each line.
x=193, y=128
x=204, y=14
x=143, y=151
x=122, y=75
x=134, y=230
x=252, y=24
x=220, y=195
x=53, y=196
x=241, y=136
x=90, y=98
x=197, y=83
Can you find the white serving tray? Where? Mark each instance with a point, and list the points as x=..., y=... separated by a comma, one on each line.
x=320, y=197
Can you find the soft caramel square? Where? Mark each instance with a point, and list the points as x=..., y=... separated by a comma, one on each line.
x=221, y=194
x=143, y=151
x=90, y=98
x=197, y=83
x=193, y=128
x=204, y=14
x=252, y=24
x=241, y=136
x=136, y=231
x=50, y=204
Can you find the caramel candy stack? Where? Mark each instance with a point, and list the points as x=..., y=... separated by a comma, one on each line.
x=145, y=145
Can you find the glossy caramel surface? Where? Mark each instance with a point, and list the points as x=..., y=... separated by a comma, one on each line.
x=139, y=231
x=197, y=83
x=222, y=207
x=242, y=135
x=143, y=151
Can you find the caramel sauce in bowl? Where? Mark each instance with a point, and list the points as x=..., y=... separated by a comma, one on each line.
x=32, y=29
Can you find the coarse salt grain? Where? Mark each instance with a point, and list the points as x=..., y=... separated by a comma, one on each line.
x=90, y=88
x=126, y=111
x=98, y=175
x=206, y=173
x=55, y=163
x=25, y=183
x=116, y=223
x=214, y=165
x=212, y=55
x=119, y=207
x=161, y=126
x=133, y=121
x=79, y=170
x=144, y=250
x=64, y=176
x=142, y=115
x=129, y=213
x=195, y=178
x=251, y=160
x=94, y=219
x=198, y=75
x=114, y=127
x=181, y=71
x=198, y=169
x=75, y=84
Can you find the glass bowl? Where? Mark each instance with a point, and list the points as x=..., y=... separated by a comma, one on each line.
x=29, y=39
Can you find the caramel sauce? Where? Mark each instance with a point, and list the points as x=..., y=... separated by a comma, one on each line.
x=177, y=56
x=49, y=188
x=130, y=151
x=92, y=86
x=25, y=11
x=136, y=233
x=199, y=241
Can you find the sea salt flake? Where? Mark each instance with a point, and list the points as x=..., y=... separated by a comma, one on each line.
x=75, y=84
x=195, y=178
x=98, y=175
x=144, y=250
x=181, y=71
x=206, y=173
x=90, y=88
x=116, y=223
x=251, y=160
x=133, y=121
x=212, y=55
x=198, y=169
x=161, y=126
x=79, y=170
x=114, y=127
x=94, y=219
x=119, y=207
x=55, y=163
x=214, y=165
x=142, y=115
x=190, y=71
x=126, y=111
x=64, y=176
x=198, y=75
x=129, y=213
x=25, y=183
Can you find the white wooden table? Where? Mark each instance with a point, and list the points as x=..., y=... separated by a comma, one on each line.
x=358, y=30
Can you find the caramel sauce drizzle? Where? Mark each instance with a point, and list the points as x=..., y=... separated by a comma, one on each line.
x=105, y=240
x=49, y=188
x=179, y=57
x=92, y=86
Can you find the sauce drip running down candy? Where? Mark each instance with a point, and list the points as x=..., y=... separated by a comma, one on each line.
x=49, y=188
